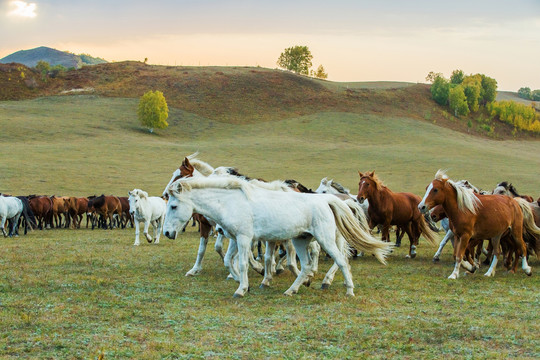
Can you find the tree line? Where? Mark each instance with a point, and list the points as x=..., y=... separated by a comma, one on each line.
x=466, y=94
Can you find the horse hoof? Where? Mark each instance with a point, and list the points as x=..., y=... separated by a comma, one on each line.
x=236, y=295
x=436, y=260
x=308, y=283
x=398, y=244
x=325, y=286
x=264, y=286
x=412, y=256
x=279, y=271
x=529, y=273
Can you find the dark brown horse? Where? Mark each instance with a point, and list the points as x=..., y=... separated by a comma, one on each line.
x=107, y=207
x=474, y=218
x=388, y=208
x=126, y=216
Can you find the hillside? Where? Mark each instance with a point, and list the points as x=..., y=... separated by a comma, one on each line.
x=243, y=95
x=54, y=57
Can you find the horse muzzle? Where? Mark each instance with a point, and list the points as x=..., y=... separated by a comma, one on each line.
x=361, y=199
x=170, y=234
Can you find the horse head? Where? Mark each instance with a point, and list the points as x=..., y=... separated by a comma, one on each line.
x=435, y=194
x=367, y=185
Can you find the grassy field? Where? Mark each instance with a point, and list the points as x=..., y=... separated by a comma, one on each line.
x=83, y=293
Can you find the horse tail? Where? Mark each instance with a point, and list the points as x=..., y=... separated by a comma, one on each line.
x=431, y=223
x=28, y=213
x=355, y=234
x=531, y=231
x=425, y=230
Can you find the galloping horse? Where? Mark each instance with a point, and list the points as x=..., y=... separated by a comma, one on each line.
x=479, y=217
x=147, y=209
x=247, y=212
x=389, y=208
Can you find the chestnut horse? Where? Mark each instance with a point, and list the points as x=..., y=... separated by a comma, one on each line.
x=388, y=208
x=41, y=206
x=474, y=218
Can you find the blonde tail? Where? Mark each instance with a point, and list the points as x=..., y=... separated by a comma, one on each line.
x=347, y=224
x=429, y=235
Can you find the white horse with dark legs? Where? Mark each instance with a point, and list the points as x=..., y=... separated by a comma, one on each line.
x=248, y=213
x=11, y=208
x=149, y=210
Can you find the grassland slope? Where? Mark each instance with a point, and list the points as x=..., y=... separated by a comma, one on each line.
x=244, y=95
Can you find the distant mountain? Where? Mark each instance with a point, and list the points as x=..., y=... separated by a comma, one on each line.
x=54, y=57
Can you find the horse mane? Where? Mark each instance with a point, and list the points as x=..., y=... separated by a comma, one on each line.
x=466, y=199
x=223, y=170
x=513, y=190
x=340, y=188
x=183, y=185
x=140, y=193
x=298, y=186
x=276, y=185
x=199, y=165
x=378, y=182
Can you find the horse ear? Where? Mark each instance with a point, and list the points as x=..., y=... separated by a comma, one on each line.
x=371, y=174
x=129, y=193
x=360, y=174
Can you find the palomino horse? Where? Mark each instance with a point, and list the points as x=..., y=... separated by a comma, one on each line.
x=508, y=189
x=389, y=208
x=247, y=212
x=58, y=210
x=479, y=217
x=11, y=208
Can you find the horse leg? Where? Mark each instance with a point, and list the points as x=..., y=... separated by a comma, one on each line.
x=259, y=251
x=2, y=223
x=137, y=225
x=196, y=269
x=219, y=246
x=228, y=260
x=158, y=227
x=268, y=260
x=336, y=250
x=314, y=251
x=449, y=235
x=459, y=250
x=291, y=258
x=521, y=251
x=496, y=249
x=244, y=253
x=301, y=245
x=255, y=265
x=15, y=225
x=412, y=241
x=145, y=231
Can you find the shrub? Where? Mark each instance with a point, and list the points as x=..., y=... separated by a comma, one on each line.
x=520, y=115
x=153, y=111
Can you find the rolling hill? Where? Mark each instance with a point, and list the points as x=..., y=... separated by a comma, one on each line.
x=54, y=57
x=241, y=95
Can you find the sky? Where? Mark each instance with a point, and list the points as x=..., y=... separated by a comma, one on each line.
x=385, y=40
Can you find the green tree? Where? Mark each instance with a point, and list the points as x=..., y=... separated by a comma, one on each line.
x=43, y=67
x=296, y=59
x=458, y=101
x=472, y=88
x=535, y=95
x=320, y=73
x=489, y=89
x=457, y=77
x=431, y=76
x=439, y=90
x=153, y=111
x=524, y=93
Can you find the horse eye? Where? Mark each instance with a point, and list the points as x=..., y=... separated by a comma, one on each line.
x=435, y=190
x=173, y=207
x=324, y=192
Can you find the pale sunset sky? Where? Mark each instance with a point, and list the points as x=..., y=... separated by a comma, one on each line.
x=387, y=40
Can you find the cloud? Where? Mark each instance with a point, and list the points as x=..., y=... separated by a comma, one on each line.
x=22, y=9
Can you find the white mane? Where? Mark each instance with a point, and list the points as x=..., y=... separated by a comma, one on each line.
x=138, y=192
x=466, y=198
x=199, y=165
x=180, y=186
x=276, y=185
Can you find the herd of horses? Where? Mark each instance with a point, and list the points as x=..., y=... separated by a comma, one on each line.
x=286, y=215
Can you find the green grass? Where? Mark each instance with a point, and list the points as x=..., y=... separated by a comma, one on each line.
x=82, y=293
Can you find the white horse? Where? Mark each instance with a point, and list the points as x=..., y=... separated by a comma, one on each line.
x=147, y=209
x=248, y=213
x=11, y=208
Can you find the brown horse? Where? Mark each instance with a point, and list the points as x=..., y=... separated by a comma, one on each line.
x=107, y=207
x=41, y=206
x=58, y=210
x=474, y=218
x=126, y=216
x=388, y=208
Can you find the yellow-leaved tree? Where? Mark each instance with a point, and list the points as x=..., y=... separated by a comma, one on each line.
x=153, y=111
